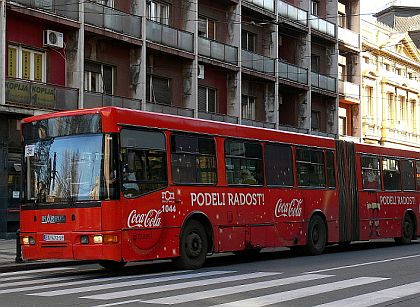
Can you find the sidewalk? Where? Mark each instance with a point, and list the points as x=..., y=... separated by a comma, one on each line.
x=8, y=256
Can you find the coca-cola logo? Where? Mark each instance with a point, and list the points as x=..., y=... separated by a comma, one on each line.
x=144, y=220
x=289, y=209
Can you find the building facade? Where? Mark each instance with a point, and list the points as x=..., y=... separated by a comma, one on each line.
x=265, y=63
x=391, y=87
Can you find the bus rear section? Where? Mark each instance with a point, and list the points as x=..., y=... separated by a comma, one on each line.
x=69, y=208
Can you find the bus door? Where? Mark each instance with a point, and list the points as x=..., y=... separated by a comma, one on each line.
x=349, y=214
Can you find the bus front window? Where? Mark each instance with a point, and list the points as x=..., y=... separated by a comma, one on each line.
x=69, y=169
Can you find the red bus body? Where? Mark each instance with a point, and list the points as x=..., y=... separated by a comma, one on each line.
x=234, y=217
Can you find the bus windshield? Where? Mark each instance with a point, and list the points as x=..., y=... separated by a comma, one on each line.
x=69, y=168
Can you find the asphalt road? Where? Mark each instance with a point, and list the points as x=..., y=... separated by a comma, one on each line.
x=364, y=274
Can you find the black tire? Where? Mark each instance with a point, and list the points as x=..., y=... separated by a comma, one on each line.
x=407, y=231
x=316, y=238
x=192, y=247
x=112, y=265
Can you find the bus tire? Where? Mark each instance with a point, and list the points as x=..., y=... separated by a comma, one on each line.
x=192, y=247
x=316, y=237
x=112, y=265
x=407, y=231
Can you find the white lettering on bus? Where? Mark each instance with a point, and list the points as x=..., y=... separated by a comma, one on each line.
x=223, y=199
x=292, y=208
x=144, y=220
x=397, y=200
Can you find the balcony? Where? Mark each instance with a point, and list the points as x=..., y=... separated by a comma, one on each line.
x=348, y=89
x=292, y=72
x=40, y=95
x=293, y=13
x=265, y=4
x=93, y=100
x=255, y=123
x=322, y=26
x=218, y=51
x=218, y=117
x=168, y=36
x=258, y=62
x=348, y=37
x=168, y=109
x=69, y=9
x=111, y=19
x=323, y=82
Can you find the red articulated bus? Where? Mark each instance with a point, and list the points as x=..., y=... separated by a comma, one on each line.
x=118, y=185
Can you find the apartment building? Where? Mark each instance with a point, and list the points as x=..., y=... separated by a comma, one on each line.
x=265, y=63
x=391, y=87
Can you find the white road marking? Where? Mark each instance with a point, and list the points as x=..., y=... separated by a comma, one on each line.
x=178, y=286
x=361, y=264
x=280, y=297
x=195, y=296
x=35, y=271
x=373, y=298
x=131, y=283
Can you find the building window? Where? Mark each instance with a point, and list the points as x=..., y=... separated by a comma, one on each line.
x=98, y=78
x=391, y=108
x=26, y=64
x=158, y=11
x=315, y=120
x=413, y=114
x=342, y=125
x=158, y=89
x=404, y=109
x=206, y=27
x=315, y=7
x=248, y=107
x=315, y=63
x=341, y=20
x=369, y=101
x=387, y=67
x=206, y=99
x=366, y=60
x=398, y=71
x=109, y=3
x=249, y=40
x=341, y=72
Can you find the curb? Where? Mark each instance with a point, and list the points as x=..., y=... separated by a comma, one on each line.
x=15, y=267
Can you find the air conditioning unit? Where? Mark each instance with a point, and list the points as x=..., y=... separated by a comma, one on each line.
x=53, y=39
x=200, y=71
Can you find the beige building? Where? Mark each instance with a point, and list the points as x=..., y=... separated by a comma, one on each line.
x=391, y=87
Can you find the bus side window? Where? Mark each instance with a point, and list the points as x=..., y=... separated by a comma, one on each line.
x=144, y=162
x=407, y=175
x=330, y=169
x=371, y=175
x=243, y=160
x=193, y=159
x=310, y=167
x=418, y=175
x=279, y=165
x=392, y=175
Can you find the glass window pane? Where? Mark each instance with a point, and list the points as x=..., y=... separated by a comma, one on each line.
x=330, y=169
x=278, y=167
x=371, y=176
x=391, y=174
x=407, y=175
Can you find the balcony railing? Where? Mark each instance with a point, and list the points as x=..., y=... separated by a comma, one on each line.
x=218, y=117
x=322, y=25
x=66, y=8
x=258, y=62
x=111, y=19
x=296, y=14
x=168, y=36
x=349, y=89
x=292, y=72
x=168, y=109
x=41, y=95
x=255, y=123
x=217, y=51
x=348, y=37
x=323, y=82
x=93, y=99
x=265, y=4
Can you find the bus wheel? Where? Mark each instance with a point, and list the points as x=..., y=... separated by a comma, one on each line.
x=112, y=265
x=192, y=247
x=407, y=231
x=316, y=237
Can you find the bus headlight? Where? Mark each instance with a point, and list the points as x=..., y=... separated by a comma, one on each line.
x=84, y=239
x=28, y=240
x=109, y=239
x=97, y=239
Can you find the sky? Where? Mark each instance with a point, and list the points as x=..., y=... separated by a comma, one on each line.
x=370, y=7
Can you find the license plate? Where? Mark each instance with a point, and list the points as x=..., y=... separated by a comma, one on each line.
x=48, y=237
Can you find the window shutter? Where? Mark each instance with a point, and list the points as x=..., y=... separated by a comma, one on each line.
x=12, y=63
x=38, y=65
x=26, y=65
x=202, y=98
